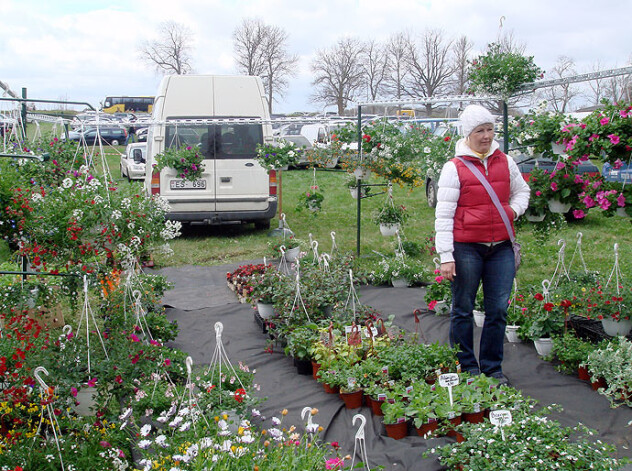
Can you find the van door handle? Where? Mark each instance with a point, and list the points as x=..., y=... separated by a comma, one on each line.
x=224, y=179
x=249, y=164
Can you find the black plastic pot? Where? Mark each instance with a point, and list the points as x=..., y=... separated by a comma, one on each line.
x=303, y=367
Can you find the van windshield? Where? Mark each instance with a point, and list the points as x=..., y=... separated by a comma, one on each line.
x=218, y=141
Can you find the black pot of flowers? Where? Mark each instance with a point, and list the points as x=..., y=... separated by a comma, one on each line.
x=303, y=367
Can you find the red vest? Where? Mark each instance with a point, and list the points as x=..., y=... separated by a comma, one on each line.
x=476, y=218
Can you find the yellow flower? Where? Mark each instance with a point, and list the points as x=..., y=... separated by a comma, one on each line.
x=284, y=412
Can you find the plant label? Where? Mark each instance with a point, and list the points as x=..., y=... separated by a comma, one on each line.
x=381, y=397
x=448, y=380
x=409, y=389
x=400, y=420
x=385, y=370
x=500, y=418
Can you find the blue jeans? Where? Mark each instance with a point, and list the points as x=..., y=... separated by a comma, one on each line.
x=494, y=266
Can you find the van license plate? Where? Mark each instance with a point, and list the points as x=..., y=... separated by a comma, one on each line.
x=187, y=184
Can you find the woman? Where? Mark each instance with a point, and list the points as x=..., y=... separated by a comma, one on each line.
x=472, y=239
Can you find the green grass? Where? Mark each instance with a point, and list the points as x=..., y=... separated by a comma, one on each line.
x=207, y=245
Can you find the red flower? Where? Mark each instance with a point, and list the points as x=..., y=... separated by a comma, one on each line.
x=549, y=307
x=240, y=394
x=539, y=296
x=366, y=137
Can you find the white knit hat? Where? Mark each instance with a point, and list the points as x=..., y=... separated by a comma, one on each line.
x=473, y=116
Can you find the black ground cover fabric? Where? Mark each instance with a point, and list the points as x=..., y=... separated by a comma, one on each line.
x=201, y=298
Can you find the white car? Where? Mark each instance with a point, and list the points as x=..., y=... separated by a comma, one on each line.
x=133, y=161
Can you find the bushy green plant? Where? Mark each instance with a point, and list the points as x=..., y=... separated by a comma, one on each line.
x=391, y=214
x=278, y=155
x=185, y=160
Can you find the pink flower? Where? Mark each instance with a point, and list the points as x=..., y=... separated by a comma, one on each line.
x=621, y=200
x=553, y=186
x=538, y=193
x=104, y=444
x=623, y=113
x=167, y=362
x=73, y=391
x=578, y=179
x=614, y=139
x=617, y=164
x=593, y=137
x=579, y=214
x=603, y=121
x=134, y=338
x=438, y=279
x=589, y=202
x=432, y=304
x=334, y=463
x=92, y=383
x=560, y=166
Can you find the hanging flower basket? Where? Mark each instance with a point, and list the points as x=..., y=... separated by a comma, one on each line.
x=534, y=217
x=265, y=310
x=388, y=230
x=544, y=346
x=556, y=206
x=85, y=401
x=622, y=213
x=615, y=328
x=511, y=331
x=400, y=283
x=292, y=254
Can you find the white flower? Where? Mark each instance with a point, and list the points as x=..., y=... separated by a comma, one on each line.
x=98, y=199
x=276, y=421
x=67, y=183
x=175, y=422
x=36, y=197
x=77, y=214
x=146, y=464
x=185, y=426
x=161, y=440
x=145, y=429
x=116, y=214
x=312, y=428
x=126, y=414
x=276, y=434
x=144, y=444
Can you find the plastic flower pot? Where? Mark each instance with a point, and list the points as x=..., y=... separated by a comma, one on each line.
x=428, y=428
x=265, y=310
x=511, y=331
x=362, y=173
x=398, y=430
x=556, y=206
x=474, y=417
x=534, y=217
x=544, y=346
x=376, y=407
x=454, y=421
x=292, y=254
x=615, y=328
x=304, y=367
x=315, y=368
x=388, y=230
x=621, y=212
x=331, y=390
x=352, y=400
x=400, y=283
x=86, y=399
x=582, y=373
x=599, y=383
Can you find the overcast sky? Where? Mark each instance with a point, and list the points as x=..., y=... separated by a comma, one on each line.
x=84, y=50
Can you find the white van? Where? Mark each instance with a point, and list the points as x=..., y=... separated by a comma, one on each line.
x=209, y=111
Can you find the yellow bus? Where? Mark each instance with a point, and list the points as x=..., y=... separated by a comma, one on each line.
x=128, y=104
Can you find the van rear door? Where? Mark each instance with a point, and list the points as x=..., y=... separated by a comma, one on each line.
x=241, y=183
x=189, y=196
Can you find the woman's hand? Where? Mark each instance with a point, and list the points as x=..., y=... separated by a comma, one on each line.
x=448, y=270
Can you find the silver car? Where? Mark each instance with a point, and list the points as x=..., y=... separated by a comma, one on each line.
x=133, y=161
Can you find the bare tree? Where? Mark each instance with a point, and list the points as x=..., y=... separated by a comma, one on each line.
x=170, y=53
x=597, y=86
x=375, y=68
x=338, y=73
x=397, y=57
x=279, y=64
x=461, y=51
x=560, y=96
x=248, y=41
x=430, y=67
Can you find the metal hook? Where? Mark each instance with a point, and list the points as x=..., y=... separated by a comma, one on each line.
x=219, y=328
x=579, y=237
x=189, y=363
x=360, y=433
x=67, y=330
x=308, y=411
x=136, y=295
x=37, y=372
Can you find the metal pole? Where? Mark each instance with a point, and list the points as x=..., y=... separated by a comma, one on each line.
x=505, y=127
x=24, y=113
x=359, y=183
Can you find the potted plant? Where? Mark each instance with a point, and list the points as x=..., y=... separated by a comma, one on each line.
x=394, y=416
x=420, y=409
x=311, y=200
x=438, y=295
x=610, y=305
x=291, y=245
x=546, y=322
x=185, y=160
x=540, y=131
x=390, y=218
x=299, y=346
x=279, y=155
x=563, y=188
x=610, y=370
x=572, y=352
x=539, y=201
x=352, y=184
x=350, y=391
x=265, y=289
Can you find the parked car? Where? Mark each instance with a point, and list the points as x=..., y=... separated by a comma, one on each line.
x=115, y=136
x=133, y=161
x=622, y=174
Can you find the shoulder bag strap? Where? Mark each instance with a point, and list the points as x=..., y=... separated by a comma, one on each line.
x=477, y=173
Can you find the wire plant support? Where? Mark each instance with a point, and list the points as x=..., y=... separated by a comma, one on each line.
x=220, y=361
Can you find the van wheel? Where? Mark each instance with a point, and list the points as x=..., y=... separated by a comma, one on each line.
x=115, y=142
x=431, y=193
x=262, y=224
